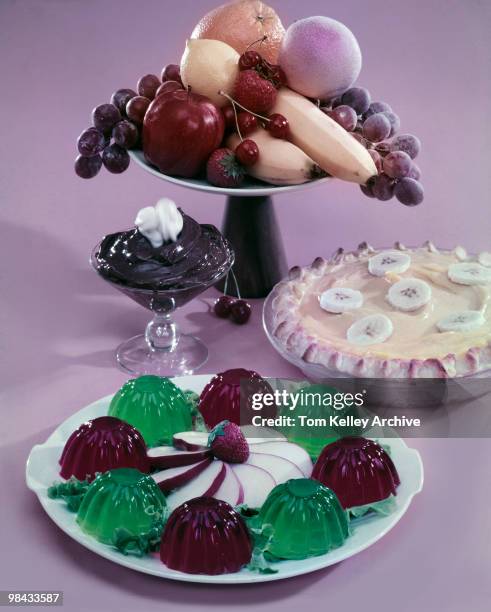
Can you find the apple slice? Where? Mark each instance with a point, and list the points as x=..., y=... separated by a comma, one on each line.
x=199, y=486
x=177, y=477
x=217, y=483
x=230, y=490
x=281, y=469
x=294, y=453
x=164, y=457
x=190, y=440
x=256, y=482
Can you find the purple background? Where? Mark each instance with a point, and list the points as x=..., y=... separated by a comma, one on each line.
x=431, y=60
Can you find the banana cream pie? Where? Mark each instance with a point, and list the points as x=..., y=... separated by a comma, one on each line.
x=400, y=312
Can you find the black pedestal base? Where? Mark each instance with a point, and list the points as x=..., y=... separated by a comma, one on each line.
x=250, y=225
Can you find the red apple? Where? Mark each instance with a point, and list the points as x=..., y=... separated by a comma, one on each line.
x=168, y=86
x=180, y=131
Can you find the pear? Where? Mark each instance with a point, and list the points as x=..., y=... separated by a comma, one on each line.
x=208, y=67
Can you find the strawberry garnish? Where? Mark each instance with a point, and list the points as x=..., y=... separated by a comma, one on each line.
x=228, y=443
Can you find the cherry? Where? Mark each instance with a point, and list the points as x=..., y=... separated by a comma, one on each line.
x=247, y=152
x=240, y=311
x=247, y=123
x=229, y=116
x=222, y=306
x=278, y=126
x=249, y=59
x=274, y=73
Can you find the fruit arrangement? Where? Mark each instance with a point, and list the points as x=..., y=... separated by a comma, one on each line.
x=250, y=98
x=212, y=500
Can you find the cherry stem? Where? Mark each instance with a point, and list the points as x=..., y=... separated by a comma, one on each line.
x=259, y=40
x=225, y=287
x=236, y=123
x=233, y=102
x=236, y=283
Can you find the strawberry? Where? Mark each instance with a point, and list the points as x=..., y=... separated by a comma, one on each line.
x=228, y=443
x=223, y=169
x=253, y=92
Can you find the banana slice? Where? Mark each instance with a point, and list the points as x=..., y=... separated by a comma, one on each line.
x=409, y=294
x=340, y=299
x=484, y=259
x=466, y=320
x=389, y=261
x=469, y=273
x=372, y=329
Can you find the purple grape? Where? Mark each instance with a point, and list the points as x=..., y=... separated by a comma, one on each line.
x=115, y=159
x=376, y=128
x=397, y=164
x=377, y=159
x=345, y=116
x=407, y=143
x=136, y=109
x=415, y=172
x=383, y=187
x=377, y=107
x=359, y=138
x=335, y=102
x=125, y=134
x=395, y=122
x=88, y=167
x=148, y=85
x=383, y=148
x=409, y=192
x=358, y=98
x=120, y=99
x=105, y=116
x=91, y=142
x=368, y=188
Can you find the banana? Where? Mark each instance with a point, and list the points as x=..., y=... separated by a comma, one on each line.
x=340, y=299
x=467, y=320
x=389, y=261
x=325, y=141
x=372, y=329
x=280, y=162
x=469, y=273
x=409, y=294
x=484, y=259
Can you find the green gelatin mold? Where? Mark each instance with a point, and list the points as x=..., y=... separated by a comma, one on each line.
x=154, y=406
x=317, y=402
x=306, y=517
x=120, y=499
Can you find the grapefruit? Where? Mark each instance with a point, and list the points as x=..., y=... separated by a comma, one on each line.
x=241, y=23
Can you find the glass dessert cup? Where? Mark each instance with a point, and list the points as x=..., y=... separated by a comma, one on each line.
x=162, y=349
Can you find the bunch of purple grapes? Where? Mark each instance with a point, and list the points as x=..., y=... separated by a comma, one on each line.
x=375, y=125
x=116, y=127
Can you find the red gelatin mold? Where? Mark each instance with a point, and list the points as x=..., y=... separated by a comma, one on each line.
x=358, y=470
x=221, y=399
x=205, y=536
x=100, y=445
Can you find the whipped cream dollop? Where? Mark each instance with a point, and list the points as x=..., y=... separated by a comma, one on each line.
x=160, y=223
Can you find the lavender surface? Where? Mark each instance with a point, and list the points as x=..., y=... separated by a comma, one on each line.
x=431, y=61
